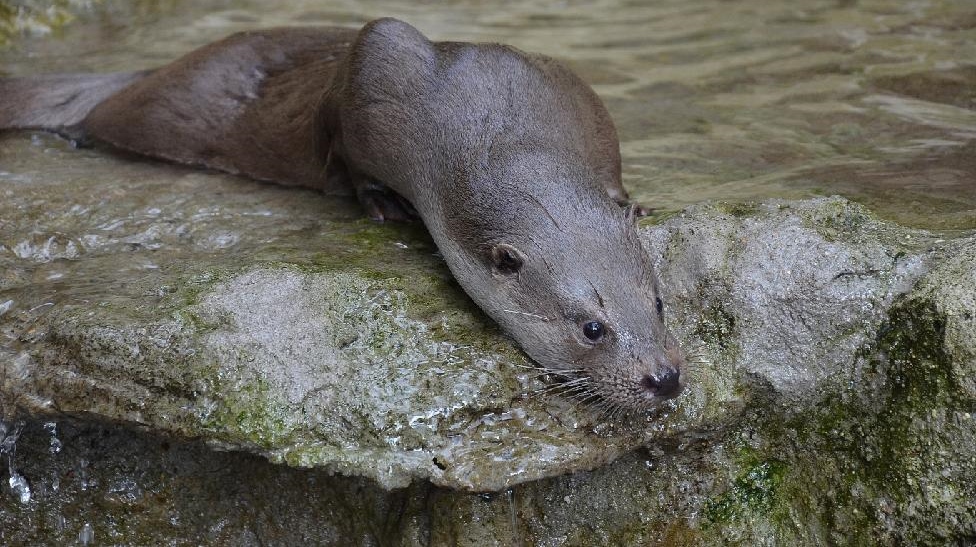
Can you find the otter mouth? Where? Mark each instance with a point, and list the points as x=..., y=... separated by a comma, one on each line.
x=612, y=399
x=612, y=392
x=648, y=389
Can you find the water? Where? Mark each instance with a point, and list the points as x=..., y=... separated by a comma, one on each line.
x=713, y=100
x=18, y=486
x=87, y=534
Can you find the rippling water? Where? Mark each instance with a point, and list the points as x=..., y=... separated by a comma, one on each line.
x=874, y=100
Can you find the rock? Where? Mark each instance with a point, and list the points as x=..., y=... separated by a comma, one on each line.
x=786, y=292
x=311, y=368
x=831, y=398
x=316, y=366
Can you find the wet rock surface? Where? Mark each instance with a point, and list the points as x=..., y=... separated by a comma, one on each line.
x=315, y=365
x=871, y=445
x=787, y=292
x=835, y=355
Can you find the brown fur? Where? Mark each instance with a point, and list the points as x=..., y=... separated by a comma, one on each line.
x=249, y=104
x=507, y=157
x=54, y=101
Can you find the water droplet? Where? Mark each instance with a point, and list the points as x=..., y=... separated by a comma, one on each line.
x=19, y=487
x=55, y=442
x=87, y=535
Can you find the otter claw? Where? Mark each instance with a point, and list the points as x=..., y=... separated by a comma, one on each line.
x=382, y=206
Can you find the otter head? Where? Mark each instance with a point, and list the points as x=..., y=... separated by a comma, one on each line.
x=558, y=264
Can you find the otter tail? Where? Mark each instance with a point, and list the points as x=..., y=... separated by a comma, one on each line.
x=55, y=101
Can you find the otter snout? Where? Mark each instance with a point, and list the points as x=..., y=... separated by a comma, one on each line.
x=666, y=385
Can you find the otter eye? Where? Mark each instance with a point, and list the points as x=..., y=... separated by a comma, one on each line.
x=506, y=259
x=660, y=306
x=593, y=330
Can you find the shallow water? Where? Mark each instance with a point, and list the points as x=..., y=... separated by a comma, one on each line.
x=874, y=100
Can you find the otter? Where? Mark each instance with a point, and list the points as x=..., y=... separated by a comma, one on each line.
x=510, y=160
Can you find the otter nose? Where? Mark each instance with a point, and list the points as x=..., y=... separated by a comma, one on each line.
x=665, y=385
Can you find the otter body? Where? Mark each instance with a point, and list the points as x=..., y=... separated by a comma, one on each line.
x=510, y=160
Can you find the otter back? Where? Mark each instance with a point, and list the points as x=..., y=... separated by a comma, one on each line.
x=249, y=104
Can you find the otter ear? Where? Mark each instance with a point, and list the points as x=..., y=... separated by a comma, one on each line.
x=505, y=259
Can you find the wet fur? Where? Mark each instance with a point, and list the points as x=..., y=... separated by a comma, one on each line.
x=55, y=101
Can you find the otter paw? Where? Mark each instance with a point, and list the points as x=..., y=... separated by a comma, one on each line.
x=636, y=210
x=383, y=205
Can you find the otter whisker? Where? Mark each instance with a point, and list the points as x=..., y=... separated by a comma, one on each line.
x=577, y=388
x=597, y=403
x=527, y=314
x=560, y=389
x=606, y=410
x=605, y=404
x=549, y=370
x=553, y=377
x=574, y=393
x=563, y=388
x=589, y=399
x=617, y=411
x=603, y=411
x=563, y=372
x=579, y=396
x=576, y=380
x=580, y=406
